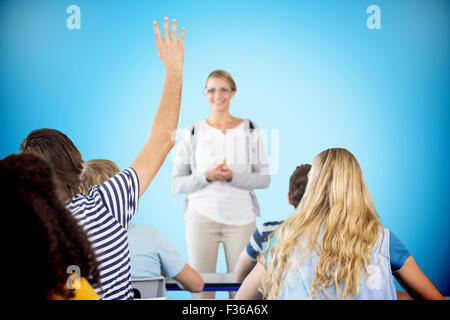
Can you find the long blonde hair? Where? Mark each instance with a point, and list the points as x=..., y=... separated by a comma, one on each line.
x=337, y=200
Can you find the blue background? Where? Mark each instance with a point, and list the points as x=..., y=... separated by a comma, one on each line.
x=310, y=69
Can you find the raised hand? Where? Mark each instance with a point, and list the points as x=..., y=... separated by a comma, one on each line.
x=159, y=143
x=170, y=50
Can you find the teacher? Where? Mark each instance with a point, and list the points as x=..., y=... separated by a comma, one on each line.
x=218, y=163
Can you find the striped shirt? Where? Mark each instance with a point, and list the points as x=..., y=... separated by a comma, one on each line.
x=258, y=241
x=105, y=213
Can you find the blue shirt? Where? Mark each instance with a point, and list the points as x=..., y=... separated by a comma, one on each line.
x=151, y=253
x=258, y=243
x=105, y=213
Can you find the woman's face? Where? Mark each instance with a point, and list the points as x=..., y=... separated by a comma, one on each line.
x=219, y=93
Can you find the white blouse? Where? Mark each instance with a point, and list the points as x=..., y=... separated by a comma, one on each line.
x=219, y=200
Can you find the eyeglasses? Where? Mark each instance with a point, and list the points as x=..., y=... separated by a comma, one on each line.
x=221, y=90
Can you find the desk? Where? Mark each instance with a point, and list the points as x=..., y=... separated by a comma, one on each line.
x=213, y=282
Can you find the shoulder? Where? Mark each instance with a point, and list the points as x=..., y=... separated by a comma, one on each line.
x=196, y=125
x=145, y=230
x=272, y=224
x=398, y=252
x=86, y=201
x=262, y=233
x=250, y=124
x=83, y=292
x=269, y=226
x=395, y=244
x=121, y=181
x=190, y=130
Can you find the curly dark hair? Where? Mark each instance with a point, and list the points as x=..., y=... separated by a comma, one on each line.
x=297, y=183
x=48, y=238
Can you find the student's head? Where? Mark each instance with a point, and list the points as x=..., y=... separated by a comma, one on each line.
x=97, y=171
x=336, y=180
x=219, y=89
x=336, y=200
x=46, y=238
x=60, y=153
x=297, y=184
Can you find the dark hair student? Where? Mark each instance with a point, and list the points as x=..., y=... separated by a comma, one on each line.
x=48, y=239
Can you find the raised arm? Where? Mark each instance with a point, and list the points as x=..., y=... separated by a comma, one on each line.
x=160, y=142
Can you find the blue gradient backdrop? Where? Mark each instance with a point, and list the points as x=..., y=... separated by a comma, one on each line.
x=311, y=69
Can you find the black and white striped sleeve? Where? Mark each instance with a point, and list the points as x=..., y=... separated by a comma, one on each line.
x=121, y=195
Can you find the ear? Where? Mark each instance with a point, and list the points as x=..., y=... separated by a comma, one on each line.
x=289, y=199
x=232, y=94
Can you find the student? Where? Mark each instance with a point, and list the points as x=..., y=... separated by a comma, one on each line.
x=48, y=242
x=96, y=172
x=105, y=212
x=152, y=255
x=218, y=163
x=150, y=252
x=333, y=245
x=258, y=242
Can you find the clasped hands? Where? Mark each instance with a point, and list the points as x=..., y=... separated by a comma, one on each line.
x=220, y=172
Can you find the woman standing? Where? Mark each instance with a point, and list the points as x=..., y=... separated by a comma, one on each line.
x=219, y=161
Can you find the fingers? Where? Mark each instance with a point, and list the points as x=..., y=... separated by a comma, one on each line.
x=182, y=35
x=170, y=50
x=217, y=167
x=156, y=29
x=166, y=28
x=167, y=35
x=224, y=164
x=210, y=176
x=174, y=29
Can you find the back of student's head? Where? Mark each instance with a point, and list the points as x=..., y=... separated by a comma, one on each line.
x=97, y=171
x=336, y=182
x=297, y=183
x=60, y=153
x=46, y=238
x=337, y=204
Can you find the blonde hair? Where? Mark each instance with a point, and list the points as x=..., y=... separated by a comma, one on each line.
x=224, y=75
x=97, y=171
x=337, y=200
